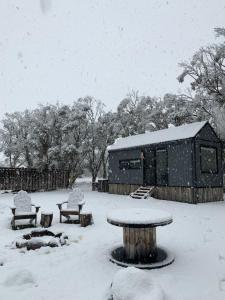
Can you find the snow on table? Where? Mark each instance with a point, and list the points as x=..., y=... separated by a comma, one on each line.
x=139, y=216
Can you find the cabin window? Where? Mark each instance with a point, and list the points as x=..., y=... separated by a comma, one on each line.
x=124, y=164
x=209, y=160
x=135, y=164
x=130, y=164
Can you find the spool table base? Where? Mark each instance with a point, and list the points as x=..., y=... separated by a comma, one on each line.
x=162, y=258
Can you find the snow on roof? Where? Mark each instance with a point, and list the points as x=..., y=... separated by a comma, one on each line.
x=170, y=134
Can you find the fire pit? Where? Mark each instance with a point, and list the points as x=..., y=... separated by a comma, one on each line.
x=42, y=238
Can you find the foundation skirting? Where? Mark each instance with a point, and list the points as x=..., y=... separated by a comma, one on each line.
x=181, y=194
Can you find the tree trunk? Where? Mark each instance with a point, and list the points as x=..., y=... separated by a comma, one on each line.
x=10, y=161
x=28, y=158
x=94, y=176
x=104, y=167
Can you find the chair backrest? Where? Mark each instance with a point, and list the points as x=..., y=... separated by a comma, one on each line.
x=74, y=198
x=22, y=202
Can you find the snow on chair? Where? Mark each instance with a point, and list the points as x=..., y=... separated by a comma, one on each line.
x=22, y=209
x=75, y=203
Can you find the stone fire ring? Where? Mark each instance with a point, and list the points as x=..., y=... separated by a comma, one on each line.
x=36, y=239
x=139, y=238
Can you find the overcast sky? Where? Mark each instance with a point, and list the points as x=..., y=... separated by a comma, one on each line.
x=59, y=50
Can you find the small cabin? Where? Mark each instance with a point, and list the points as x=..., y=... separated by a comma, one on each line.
x=183, y=163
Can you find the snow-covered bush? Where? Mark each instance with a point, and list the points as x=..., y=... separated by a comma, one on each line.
x=135, y=284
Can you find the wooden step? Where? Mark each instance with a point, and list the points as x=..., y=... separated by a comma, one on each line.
x=136, y=197
x=142, y=192
x=145, y=188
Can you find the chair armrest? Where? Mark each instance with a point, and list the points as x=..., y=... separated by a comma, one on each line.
x=13, y=208
x=80, y=205
x=60, y=204
x=36, y=207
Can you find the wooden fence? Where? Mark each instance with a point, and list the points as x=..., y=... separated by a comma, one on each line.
x=32, y=179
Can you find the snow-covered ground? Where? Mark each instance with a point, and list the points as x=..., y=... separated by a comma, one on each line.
x=82, y=269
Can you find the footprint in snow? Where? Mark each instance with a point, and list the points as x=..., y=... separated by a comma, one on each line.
x=221, y=257
x=19, y=278
x=222, y=284
x=74, y=241
x=207, y=218
x=206, y=239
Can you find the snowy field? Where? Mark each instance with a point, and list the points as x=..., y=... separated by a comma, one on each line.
x=82, y=269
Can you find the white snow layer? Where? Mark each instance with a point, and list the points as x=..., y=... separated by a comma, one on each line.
x=139, y=216
x=82, y=269
x=164, y=135
x=135, y=284
x=18, y=278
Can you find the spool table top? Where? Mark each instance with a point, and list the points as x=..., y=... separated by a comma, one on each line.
x=139, y=217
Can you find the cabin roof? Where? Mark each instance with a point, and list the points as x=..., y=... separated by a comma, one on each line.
x=165, y=135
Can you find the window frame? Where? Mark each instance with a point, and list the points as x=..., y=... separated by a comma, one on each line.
x=128, y=163
x=201, y=167
x=123, y=160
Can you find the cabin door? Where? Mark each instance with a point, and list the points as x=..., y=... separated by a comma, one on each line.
x=162, y=167
x=149, y=168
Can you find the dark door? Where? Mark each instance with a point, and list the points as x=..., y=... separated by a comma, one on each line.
x=162, y=167
x=149, y=168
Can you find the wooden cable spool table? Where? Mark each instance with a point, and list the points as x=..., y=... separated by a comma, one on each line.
x=139, y=238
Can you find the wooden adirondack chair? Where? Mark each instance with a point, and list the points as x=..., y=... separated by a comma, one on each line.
x=22, y=209
x=74, y=203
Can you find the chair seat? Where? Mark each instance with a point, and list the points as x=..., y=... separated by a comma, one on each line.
x=70, y=211
x=25, y=213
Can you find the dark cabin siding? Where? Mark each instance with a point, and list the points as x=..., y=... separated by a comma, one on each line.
x=207, y=137
x=180, y=167
x=207, y=134
x=179, y=164
x=183, y=162
x=130, y=176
